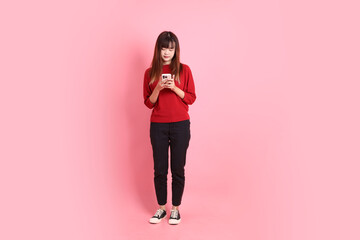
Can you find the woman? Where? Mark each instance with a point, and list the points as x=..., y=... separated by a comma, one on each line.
x=170, y=122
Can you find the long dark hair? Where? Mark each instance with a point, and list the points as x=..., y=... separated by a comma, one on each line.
x=164, y=40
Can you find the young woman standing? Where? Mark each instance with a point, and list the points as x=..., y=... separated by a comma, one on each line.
x=170, y=122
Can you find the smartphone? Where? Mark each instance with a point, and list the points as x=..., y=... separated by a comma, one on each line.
x=165, y=77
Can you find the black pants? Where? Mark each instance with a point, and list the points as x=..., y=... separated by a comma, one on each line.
x=177, y=136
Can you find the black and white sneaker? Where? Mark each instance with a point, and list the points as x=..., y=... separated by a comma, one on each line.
x=160, y=214
x=174, y=217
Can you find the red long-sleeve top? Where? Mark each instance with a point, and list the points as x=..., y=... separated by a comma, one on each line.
x=169, y=107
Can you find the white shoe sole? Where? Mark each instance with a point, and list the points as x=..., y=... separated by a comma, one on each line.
x=174, y=221
x=155, y=220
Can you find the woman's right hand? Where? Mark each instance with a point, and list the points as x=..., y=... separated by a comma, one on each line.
x=160, y=86
x=155, y=94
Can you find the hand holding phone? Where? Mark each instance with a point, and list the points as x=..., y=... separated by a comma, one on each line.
x=165, y=77
x=170, y=84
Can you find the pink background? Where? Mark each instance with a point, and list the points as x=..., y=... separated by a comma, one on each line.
x=274, y=152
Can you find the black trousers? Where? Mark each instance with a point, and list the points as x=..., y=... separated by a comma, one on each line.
x=175, y=135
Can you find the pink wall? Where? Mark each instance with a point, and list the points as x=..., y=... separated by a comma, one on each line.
x=274, y=152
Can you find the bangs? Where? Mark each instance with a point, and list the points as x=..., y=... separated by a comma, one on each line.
x=167, y=43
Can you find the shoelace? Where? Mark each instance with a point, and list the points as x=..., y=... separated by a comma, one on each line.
x=159, y=212
x=174, y=213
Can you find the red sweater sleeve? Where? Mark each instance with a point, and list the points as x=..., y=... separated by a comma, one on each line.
x=147, y=91
x=189, y=88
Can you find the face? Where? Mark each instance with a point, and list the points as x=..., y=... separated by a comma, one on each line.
x=168, y=53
